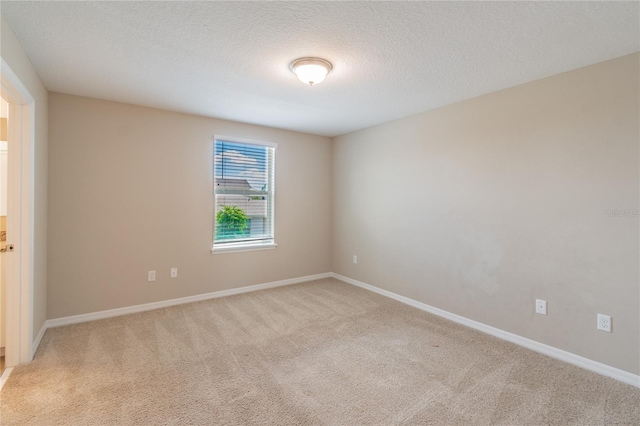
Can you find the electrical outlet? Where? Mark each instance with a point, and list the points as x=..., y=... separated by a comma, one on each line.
x=355, y=259
x=604, y=323
x=541, y=307
x=174, y=272
x=151, y=276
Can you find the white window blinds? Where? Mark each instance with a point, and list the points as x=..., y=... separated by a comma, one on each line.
x=244, y=192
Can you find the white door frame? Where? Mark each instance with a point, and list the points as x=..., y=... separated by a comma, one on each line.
x=20, y=194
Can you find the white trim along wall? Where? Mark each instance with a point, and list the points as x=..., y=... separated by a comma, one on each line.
x=596, y=367
x=74, y=319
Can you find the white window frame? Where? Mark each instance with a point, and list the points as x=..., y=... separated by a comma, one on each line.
x=234, y=247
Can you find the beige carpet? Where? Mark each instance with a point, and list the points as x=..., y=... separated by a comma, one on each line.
x=316, y=353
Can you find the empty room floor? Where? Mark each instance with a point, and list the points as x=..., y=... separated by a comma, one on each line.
x=322, y=352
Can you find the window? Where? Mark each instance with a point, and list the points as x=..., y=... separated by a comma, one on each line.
x=244, y=194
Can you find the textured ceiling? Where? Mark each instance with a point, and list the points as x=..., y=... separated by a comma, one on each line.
x=391, y=59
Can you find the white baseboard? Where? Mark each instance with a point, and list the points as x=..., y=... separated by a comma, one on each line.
x=38, y=339
x=588, y=364
x=75, y=319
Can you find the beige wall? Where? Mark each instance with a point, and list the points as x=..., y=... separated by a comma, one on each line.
x=480, y=207
x=131, y=190
x=13, y=54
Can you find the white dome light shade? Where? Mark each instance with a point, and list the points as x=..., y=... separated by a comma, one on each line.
x=311, y=70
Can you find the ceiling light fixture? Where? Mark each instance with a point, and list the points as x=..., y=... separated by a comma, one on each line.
x=311, y=70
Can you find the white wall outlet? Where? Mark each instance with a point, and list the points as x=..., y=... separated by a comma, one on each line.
x=604, y=323
x=355, y=259
x=541, y=307
x=151, y=276
x=174, y=272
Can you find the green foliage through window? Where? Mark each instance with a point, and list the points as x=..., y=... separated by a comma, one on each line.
x=231, y=222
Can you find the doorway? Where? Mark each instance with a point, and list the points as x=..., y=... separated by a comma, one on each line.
x=17, y=301
x=4, y=116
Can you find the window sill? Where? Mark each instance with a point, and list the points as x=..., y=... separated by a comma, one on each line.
x=234, y=248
